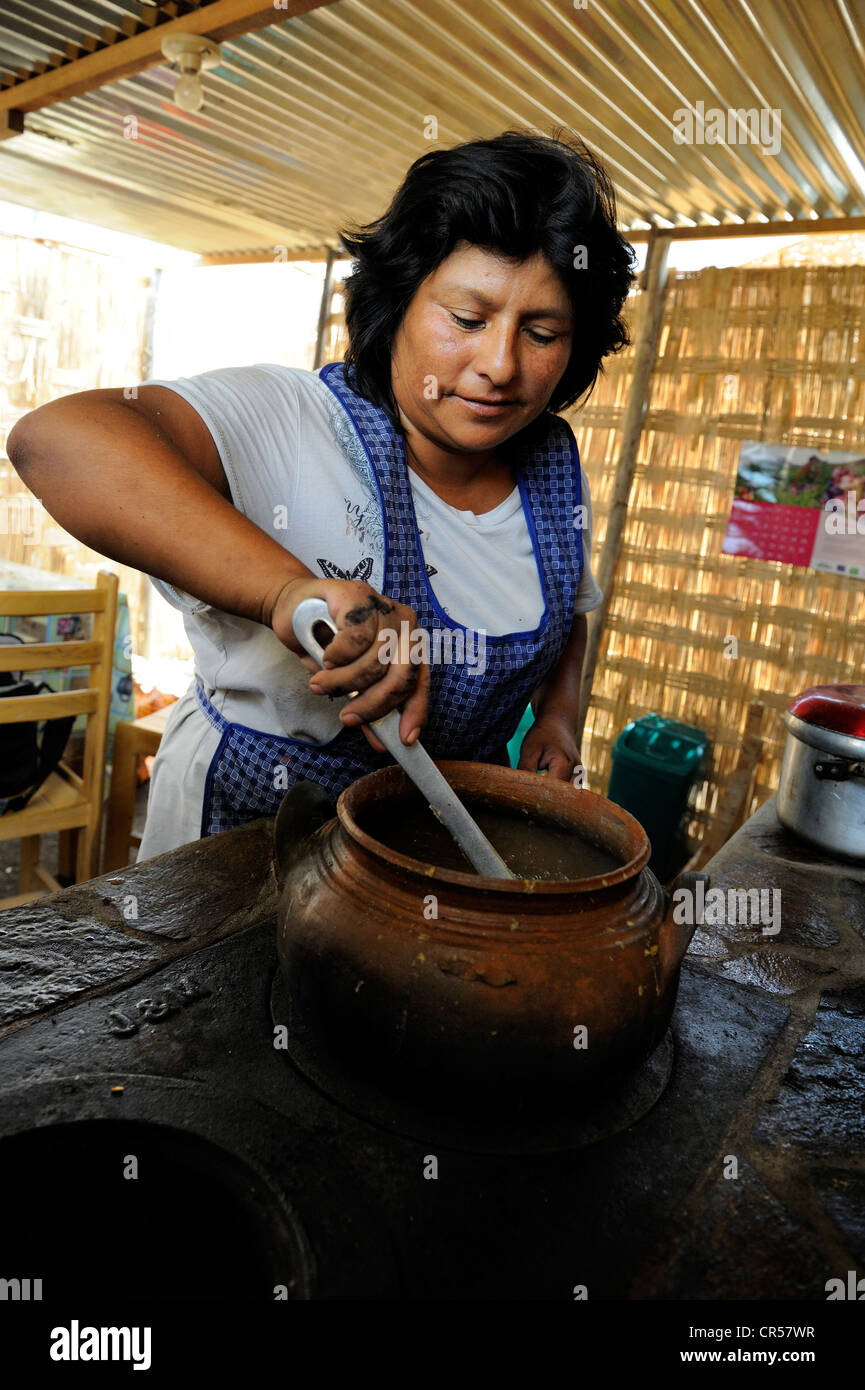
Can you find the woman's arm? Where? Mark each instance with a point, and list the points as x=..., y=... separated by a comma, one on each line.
x=549, y=744
x=141, y=481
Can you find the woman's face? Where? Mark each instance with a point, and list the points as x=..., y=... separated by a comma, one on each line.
x=481, y=348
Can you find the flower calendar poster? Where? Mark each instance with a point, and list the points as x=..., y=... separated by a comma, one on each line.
x=800, y=506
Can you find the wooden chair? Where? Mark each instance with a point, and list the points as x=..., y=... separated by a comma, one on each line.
x=65, y=802
x=131, y=738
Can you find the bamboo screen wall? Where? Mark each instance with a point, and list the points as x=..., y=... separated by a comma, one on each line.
x=764, y=354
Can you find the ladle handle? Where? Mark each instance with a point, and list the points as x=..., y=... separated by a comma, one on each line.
x=305, y=619
x=412, y=758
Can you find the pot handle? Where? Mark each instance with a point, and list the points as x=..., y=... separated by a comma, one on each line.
x=305, y=807
x=675, y=937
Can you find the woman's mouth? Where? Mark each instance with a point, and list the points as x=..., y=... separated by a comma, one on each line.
x=486, y=405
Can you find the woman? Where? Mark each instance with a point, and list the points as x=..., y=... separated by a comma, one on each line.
x=425, y=485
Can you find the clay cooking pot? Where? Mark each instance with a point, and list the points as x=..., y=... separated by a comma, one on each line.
x=465, y=992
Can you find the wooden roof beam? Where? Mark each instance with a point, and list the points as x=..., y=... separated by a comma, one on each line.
x=272, y=255
x=802, y=226
x=219, y=20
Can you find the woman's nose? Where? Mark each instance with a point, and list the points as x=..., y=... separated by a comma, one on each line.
x=496, y=354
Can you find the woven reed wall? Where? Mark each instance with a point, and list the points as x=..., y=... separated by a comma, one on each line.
x=766, y=354
x=69, y=321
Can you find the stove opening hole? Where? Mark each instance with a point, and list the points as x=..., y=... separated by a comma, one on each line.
x=196, y=1222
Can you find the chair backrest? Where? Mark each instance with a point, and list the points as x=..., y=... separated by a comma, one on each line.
x=97, y=653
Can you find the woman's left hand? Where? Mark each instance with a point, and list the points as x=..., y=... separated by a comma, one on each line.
x=550, y=746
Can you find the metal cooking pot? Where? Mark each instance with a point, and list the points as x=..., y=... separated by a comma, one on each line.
x=821, y=792
x=461, y=991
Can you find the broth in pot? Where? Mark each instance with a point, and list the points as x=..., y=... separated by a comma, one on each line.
x=531, y=845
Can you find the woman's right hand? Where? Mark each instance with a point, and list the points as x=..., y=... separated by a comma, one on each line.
x=356, y=658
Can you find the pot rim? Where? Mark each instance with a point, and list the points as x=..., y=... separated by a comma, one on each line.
x=829, y=742
x=498, y=779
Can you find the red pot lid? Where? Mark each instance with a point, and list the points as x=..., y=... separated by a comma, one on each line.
x=837, y=707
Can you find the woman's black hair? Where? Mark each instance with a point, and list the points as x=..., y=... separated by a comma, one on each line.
x=516, y=194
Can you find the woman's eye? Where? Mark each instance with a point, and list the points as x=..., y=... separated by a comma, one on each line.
x=542, y=338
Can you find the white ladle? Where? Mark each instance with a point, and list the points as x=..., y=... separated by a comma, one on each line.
x=412, y=758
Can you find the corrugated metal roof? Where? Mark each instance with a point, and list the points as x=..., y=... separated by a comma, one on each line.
x=33, y=32
x=311, y=123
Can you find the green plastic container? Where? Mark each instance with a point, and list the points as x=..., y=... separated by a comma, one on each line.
x=655, y=764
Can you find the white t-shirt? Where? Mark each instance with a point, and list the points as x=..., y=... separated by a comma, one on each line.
x=294, y=466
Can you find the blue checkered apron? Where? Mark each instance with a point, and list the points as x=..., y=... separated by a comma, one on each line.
x=474, y=708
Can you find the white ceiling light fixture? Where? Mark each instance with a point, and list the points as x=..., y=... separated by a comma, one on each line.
x=190, y=53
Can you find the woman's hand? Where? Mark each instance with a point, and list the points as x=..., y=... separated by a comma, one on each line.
x=550, y=746
x=355, y=658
